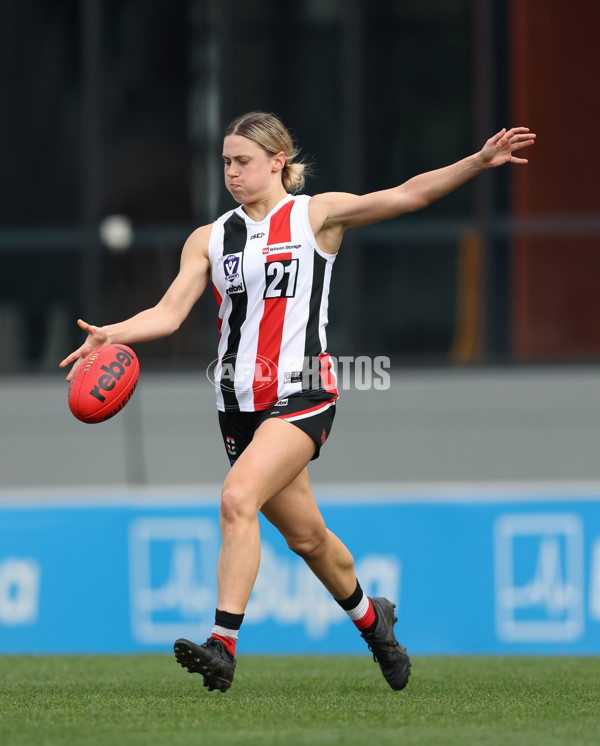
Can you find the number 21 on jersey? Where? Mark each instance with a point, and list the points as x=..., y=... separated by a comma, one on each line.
x=280, y=278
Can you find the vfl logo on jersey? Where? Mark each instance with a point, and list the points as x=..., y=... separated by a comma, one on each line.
x=231, y=265
x=231, y=269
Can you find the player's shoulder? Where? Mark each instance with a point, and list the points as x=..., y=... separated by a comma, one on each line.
x=201, y=234
x=325, y=202
x=198, y=240
x=324, y=207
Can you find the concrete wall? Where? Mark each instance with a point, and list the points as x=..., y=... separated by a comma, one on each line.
x=433, y=425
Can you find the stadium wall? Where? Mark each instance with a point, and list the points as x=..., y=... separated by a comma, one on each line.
x=486, y=569
x=471, y=497
x=467, y=424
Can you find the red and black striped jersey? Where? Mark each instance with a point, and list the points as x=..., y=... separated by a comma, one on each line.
x=271, y=282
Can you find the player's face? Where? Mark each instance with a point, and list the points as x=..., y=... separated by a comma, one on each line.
x=248, y=169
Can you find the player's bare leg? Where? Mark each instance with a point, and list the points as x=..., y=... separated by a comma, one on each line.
x=277, y=454
x=270, y=475
x=295, y=513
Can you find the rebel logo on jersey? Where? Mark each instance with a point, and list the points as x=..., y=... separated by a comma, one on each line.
x=235, y=289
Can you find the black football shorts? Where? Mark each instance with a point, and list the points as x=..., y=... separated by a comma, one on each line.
x=311, y=411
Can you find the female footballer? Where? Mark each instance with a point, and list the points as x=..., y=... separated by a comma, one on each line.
x=270, y=261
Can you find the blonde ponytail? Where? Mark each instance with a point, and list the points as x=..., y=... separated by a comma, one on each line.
x=293, y=176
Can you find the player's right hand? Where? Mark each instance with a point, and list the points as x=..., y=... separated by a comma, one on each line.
x=97, y=337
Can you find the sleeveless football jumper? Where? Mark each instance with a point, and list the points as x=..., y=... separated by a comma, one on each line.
x=271, y=282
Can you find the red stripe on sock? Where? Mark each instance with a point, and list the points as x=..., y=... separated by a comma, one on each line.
x=366, y=620
x=229, y=643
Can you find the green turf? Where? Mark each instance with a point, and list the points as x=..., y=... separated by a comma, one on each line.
x=291, y=701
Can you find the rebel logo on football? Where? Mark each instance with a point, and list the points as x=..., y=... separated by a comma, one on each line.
x=112, y=372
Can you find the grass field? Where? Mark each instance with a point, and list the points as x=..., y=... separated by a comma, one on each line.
x=114, y=701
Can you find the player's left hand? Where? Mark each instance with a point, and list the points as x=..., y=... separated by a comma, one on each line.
x=500, y=148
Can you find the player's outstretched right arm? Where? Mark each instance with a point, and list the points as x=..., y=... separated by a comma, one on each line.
x=162, y=319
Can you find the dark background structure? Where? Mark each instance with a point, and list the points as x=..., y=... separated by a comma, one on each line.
x=119, y=108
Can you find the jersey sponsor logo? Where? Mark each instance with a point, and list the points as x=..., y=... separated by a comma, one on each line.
x=281, y=403
x=239, y=288
x=294, y=376
x=286, y=247
x=257, y=235
x=280, y=278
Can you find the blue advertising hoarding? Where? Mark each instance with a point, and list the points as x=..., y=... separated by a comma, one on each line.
x=473, y=572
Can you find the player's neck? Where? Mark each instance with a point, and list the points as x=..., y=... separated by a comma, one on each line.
x=259, y=209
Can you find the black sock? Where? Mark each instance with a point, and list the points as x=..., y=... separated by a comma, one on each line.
x=352, y=601
x=228, y=620
x=359, y=608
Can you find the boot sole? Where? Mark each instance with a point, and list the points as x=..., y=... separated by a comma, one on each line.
x=188, y=658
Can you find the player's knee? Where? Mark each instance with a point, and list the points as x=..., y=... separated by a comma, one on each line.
x=236, y=504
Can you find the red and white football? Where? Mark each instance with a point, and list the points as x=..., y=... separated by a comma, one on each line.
x=103, y=383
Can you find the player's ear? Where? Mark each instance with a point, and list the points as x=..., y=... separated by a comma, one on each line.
x=279, y=161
